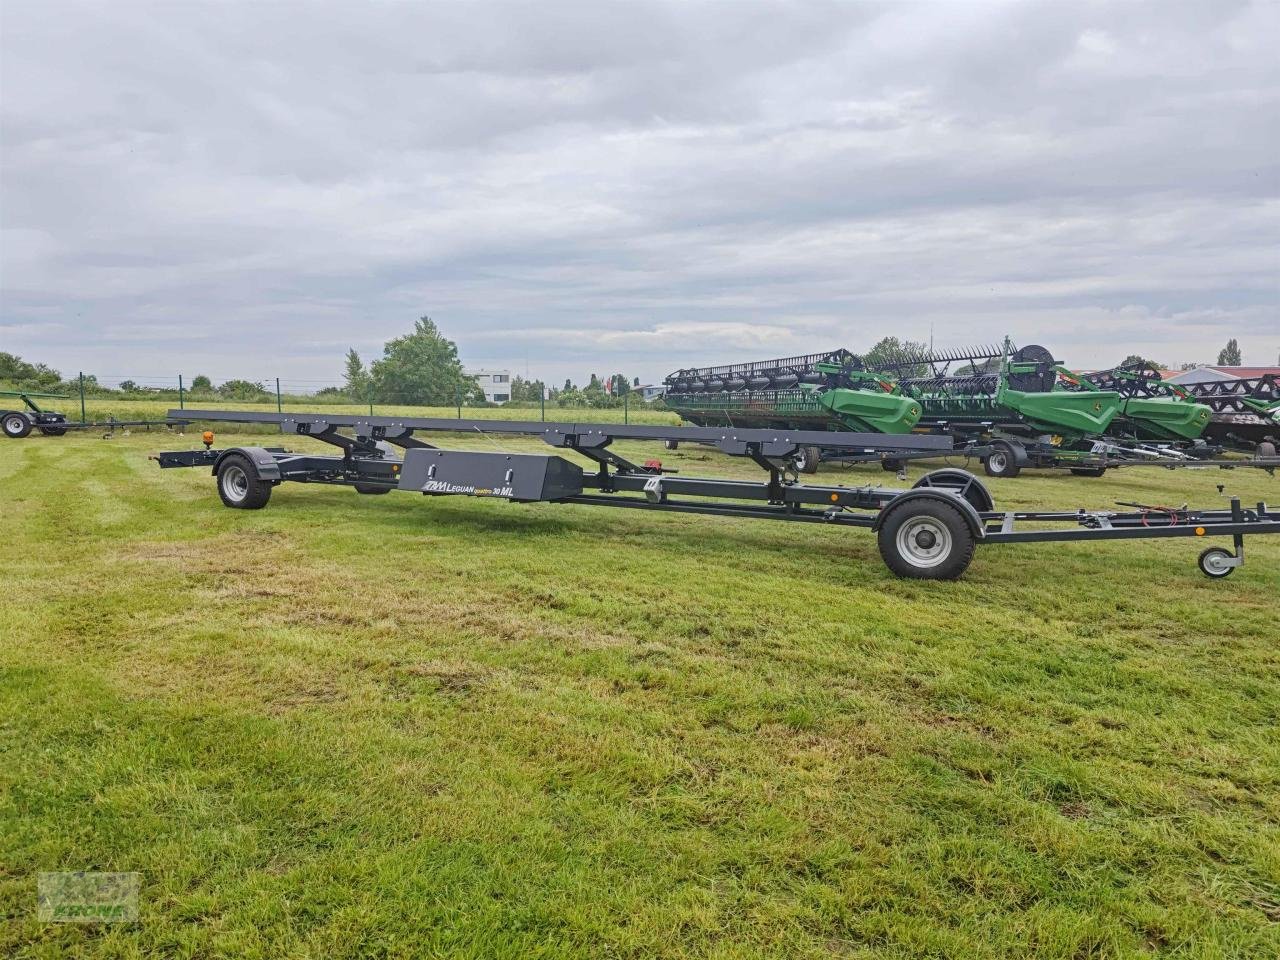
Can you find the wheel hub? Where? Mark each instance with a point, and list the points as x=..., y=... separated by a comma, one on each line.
x=235, y=483
x=1217, y=563
x=924, y=541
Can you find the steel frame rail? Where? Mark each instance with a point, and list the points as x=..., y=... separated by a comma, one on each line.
x=777, y=443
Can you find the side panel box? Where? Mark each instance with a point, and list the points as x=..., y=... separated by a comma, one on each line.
x=513, y=476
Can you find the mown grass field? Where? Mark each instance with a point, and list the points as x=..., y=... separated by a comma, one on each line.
x=353, y=726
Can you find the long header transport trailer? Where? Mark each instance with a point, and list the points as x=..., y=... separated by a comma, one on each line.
x=16, y=424
x=927, y=532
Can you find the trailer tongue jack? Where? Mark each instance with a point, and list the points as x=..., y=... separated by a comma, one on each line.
x=927, y=532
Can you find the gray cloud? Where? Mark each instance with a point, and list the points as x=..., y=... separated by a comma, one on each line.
x=245, y=189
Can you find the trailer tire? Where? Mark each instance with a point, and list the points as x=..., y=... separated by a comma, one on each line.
x=53, y=431
x=1210, y=563
x=239, y=484
x=1088, y=471
x=892, y=466
x=807, y=458
x=1001, y=462
x=16, y=425
x=671, y=444
x=926, y=539
x=371, y=489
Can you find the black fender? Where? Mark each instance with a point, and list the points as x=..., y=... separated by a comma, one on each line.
x=974, y=491
x=1020, y=456
x=966, y=509
x=260, y=457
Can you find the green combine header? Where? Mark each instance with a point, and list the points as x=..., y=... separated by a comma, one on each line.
x=821, y=391
x=1013, y=408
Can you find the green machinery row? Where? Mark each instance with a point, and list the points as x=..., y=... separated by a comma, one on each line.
x=1018, y=407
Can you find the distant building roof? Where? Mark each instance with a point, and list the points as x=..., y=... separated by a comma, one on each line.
x=1219, y=372
x=1246, y=372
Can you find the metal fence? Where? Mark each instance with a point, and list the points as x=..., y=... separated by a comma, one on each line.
x=104, y=395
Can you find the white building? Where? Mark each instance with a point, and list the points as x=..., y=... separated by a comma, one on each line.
x=496, y=384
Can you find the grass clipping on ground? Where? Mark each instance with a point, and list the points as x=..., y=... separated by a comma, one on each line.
x=398, y=726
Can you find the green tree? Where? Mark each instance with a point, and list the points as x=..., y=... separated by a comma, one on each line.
x=31, y=375
x=593, y=393
x=526, y=391
x=1136, y=360
x=891, y=353
x=243, y=390
x=1229, y=356
x=355, y=377
x=572, y=397
x=128, y=386
x=201, y=384
x=990, y=365
x=422, y=368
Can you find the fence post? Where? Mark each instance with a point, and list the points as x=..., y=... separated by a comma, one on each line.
x=182, y=394
x=279, y=405
x=626, y=407
x=369, y=393
x=83, y=418
x=542, y=398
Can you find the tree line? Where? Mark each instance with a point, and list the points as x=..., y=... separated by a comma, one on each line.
x=422, y=368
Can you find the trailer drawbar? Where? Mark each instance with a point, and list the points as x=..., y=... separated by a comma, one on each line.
x=927, y=532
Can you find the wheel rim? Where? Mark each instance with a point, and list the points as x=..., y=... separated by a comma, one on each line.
x=997, y=462
x=12, y=425
x=924, y=541
x=1215, y=564
x=235, y=483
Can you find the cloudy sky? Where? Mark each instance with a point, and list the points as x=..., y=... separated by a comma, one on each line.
x=248, y=189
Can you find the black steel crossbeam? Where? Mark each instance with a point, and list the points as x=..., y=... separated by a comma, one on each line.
x=1150, y=522
x=765, y=512
x=731, y=440
x=870, y=498
x=1133, y=532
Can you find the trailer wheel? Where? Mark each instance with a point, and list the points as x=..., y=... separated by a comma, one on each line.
x=53, y=431
x=671, y=444
x=16, y=425
x=1088, y=471
x=926, y=539
x=371, y=489
x=807, y=458
x=1001, y=462
x=239, y=485
x=1212, y=565
x=892, y=466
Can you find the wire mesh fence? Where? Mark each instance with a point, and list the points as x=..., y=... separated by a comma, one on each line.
x=140, y=397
